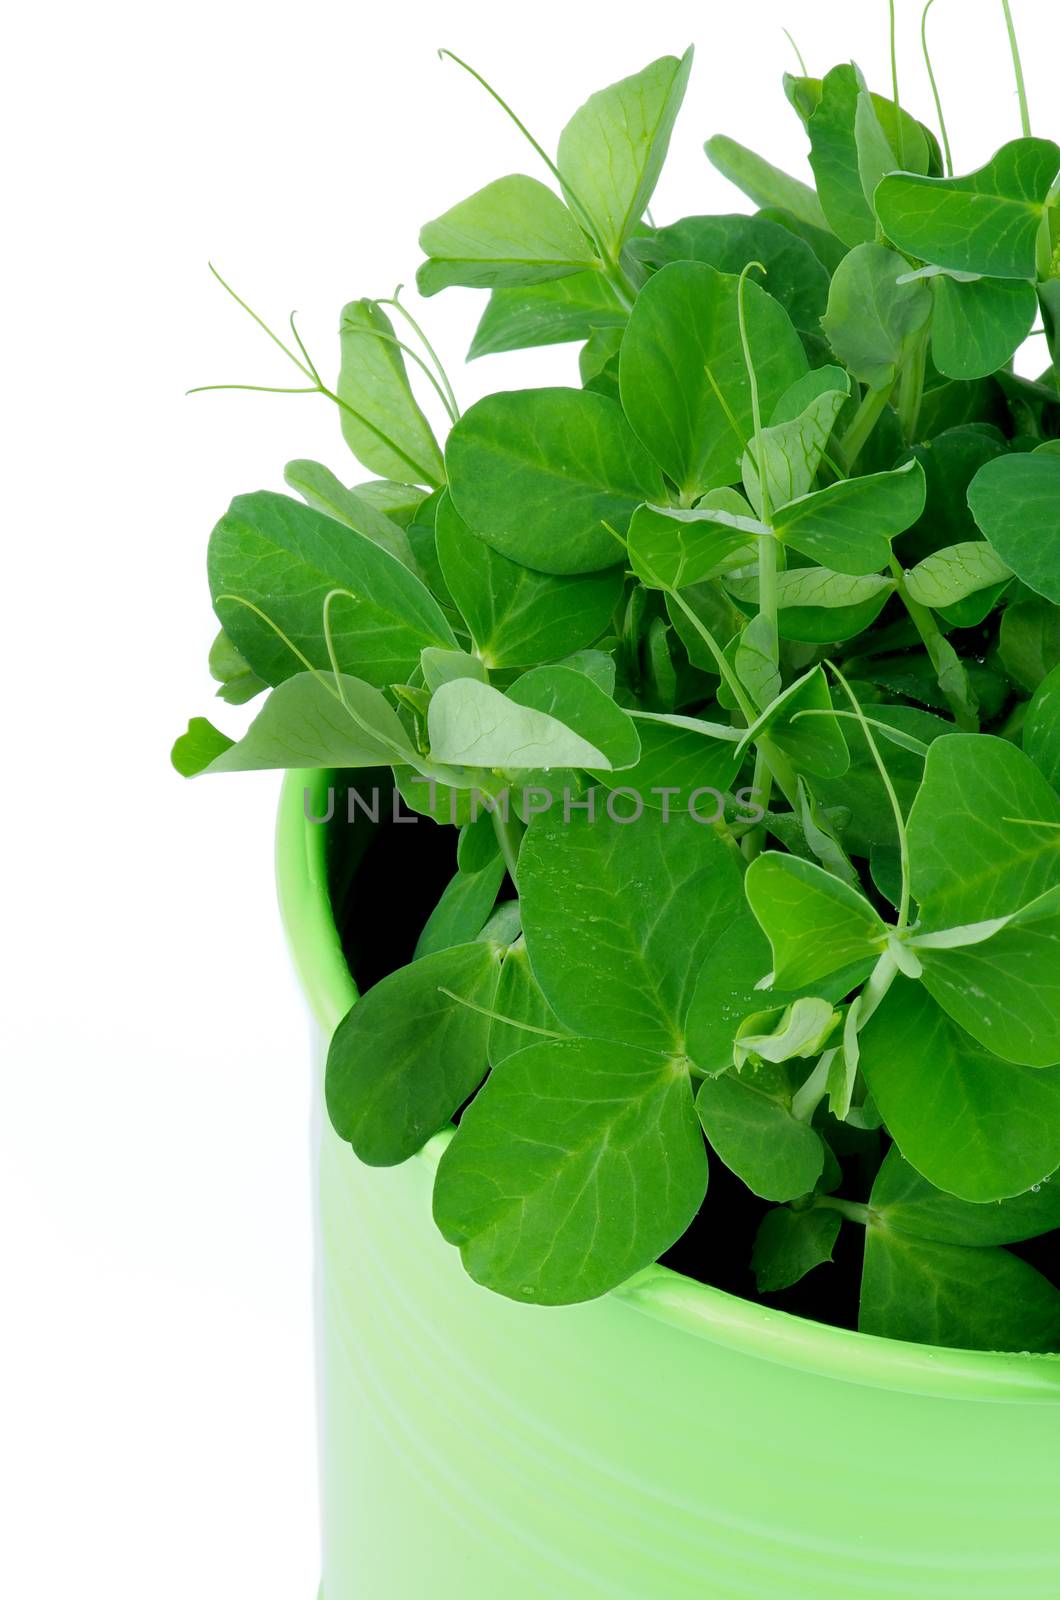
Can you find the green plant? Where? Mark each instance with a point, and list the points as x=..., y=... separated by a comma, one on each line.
x=736, y=670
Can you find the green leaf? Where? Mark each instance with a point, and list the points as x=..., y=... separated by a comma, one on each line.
x=815, y=743
x=283, y=558
x=727, y=991
x=875, y=154
x=902, y=1199
x=228, y=668
x=618, y=919
x=941, y=1294
x=817, y=605
x=407, y=1056
x=826, y=247
x=765, y=184
x=672, y=549
x=598, y=361
x=986, y=222
x=974, y=1125
x=683, y=379
x=442, y=666
x=1016, y=502
x=753, y=656
x=514, y=231
x=380, y=418
x=677, y=764
x=794, y=275
x=461, y=913
x=987, y=794
x=1029, y=642
x=801, y=1029
x=794, y=443
x=612, y=150
x=834, y=156
x=1041, y=727
x=872, y=318
x=577, y=1165
x=954, y=573
x=197, y=749
x=473, y=725
x=320, y=489
x=401, y=502
x=304, y=723
x=1005, y=990
x=849, y=525
x=950, y=462
x=789, y=1244
x=579, y=703
x=920, y=147
x=978, y=326
x=519, y=999
x=815, y=923
x=518, y=617
x=523, y=316
x=536, y=474
x=752, y=1130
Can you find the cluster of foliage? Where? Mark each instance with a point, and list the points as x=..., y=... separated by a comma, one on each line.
x=795, y=539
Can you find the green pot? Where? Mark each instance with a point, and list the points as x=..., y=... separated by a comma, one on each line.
x=668, y=1442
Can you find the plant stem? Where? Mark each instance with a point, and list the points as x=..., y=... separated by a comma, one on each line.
x=899, y=130
x=876, y=986
x=911, y=389
x=761, y=788
x=935, y=89
x=767, y=608
x=509, y=831
x=937, y=646
x=624, y=290
x=725, y=672
x=805, y=1100
x=576, y=205
x=865, y=419
x=1021, y=88
x=881, y=767
x=499, y=1016
x=851, y=1209
x=767, y=590
x=418, y=331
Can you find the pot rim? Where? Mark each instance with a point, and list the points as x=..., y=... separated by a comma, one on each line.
x=660, y=1292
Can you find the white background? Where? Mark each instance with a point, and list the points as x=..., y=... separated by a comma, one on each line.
x=156, y=1399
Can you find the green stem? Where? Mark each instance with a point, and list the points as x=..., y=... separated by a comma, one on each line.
x=761, y=787
x=1021, y=88
x=911, y=389
x=805, y=1100
x=798, y=52
x=576, y=205
x=725, y=672
x=765, y=509
x=620, y=283
x=876, y=986
x=869, y=412
x=499, y=1016
x=851, y=1209
x=899, y=130
x=767, y=591
x=885, y=777
x=935, y=89
x=395, y=301
x=509, y=831
x=937, y=647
